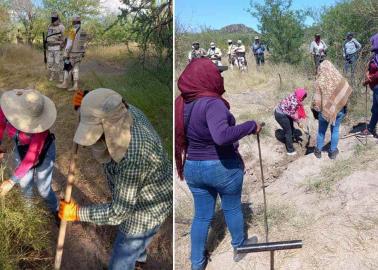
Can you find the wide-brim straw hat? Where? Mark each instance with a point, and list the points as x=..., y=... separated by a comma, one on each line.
x=102, y=112
x=28, y=110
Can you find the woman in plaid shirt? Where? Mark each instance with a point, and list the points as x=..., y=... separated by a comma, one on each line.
x=138, y=171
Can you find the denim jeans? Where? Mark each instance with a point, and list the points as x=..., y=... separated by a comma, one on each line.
x=350, y=63
x=128, y=249
x=259, y=59
x=206, y=179
x=374, y=110
x=41, y=178
x=323, y=125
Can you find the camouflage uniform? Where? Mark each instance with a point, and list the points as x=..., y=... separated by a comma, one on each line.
x=55, y=42
x=73, y=54
x=215, y=55
x=197, y=54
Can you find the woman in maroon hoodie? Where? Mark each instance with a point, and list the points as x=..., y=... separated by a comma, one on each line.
x=372, y=80
x=206, y=152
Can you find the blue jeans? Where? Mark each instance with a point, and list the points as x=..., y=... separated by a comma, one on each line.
x=128, y=249
x=41, y=177
x=323, y=125
x=374, y=110
x=206, y=179
x=350, y=63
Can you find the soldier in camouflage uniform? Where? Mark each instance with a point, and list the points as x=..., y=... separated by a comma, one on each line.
x=73, y=54
x=196, y=51
x=55, y=43
x=215, y=54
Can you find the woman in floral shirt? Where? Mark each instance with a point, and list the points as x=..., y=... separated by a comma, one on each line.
x=290, y=110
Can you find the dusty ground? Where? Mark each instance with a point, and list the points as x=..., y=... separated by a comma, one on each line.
x=330, y=205
x=87, y=246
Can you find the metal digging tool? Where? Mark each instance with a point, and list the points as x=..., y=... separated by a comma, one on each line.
x=67, y=198
x=268, y=246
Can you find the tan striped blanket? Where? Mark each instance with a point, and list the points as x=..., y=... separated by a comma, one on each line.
x=332, y=91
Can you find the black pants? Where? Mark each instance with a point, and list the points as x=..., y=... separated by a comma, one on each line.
x=287, y=125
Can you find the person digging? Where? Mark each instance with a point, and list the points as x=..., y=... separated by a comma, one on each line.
x=138, y=171
x=27, y=116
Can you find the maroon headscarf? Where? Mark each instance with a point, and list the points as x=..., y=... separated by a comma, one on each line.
x=200, y=78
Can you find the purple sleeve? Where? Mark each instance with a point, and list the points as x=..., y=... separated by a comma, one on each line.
x=221, y=132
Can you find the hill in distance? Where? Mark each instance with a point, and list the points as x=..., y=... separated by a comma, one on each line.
x=237, y=28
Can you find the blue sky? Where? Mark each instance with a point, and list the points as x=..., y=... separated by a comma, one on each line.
x=216, y=14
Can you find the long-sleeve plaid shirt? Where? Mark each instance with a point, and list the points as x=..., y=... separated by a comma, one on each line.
x=140, y=184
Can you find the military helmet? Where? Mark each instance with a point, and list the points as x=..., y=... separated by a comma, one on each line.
x=54, y=14
x=76, y=18
x=349, y=34
x=195, y=43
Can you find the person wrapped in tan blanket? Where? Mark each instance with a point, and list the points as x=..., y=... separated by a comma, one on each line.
x=332, y=92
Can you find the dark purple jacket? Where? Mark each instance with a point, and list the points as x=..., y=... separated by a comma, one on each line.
x=211, y=131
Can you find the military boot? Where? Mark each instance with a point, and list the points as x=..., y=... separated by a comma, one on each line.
x=52, y=76
x=75, y=86
x=64, y=84
x=61, y=77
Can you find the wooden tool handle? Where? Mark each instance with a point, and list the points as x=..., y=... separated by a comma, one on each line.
x=67, y=198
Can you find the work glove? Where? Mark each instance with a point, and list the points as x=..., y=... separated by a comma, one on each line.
x=68, y=211
x=5, y=187
x=78, y=98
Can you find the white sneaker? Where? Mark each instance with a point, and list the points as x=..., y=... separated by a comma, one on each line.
x=291, y=153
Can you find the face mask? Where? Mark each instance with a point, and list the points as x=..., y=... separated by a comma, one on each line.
x=100, y=152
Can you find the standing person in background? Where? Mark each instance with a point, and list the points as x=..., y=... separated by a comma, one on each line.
x=73, y=54
x=27, y=116
x=231, y=53
x=350, y=53
x=371, y=79
x=206, y=152
x=196, y=51
x=215, y=54
x=258, y=50
x=318, y=49
x=241, y=54
x=55, y=42
x=332, y=92
x=291, y=110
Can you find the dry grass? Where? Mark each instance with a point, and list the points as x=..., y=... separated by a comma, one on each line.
x=325, y=182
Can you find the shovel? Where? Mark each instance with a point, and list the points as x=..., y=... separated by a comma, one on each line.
x=67, y=198
x=268, y=246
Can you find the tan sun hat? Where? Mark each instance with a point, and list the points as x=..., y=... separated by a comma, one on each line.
x=28, y=110
x=102, y=111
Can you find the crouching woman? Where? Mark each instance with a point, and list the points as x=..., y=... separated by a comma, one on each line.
x=288, y=111
x=26, y=116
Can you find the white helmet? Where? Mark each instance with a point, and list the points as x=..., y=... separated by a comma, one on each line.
x=256, y=37
x=229, y=41
x=239, y=41
x=212, y=45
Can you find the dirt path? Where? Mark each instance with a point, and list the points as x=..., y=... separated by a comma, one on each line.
x=337, y=220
